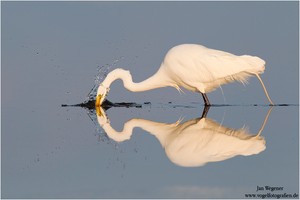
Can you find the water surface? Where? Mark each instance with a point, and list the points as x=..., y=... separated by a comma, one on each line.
x=75, y=158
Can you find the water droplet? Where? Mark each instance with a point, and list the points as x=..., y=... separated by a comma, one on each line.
x=100, y=76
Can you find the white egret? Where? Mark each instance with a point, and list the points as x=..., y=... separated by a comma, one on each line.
x=194, y=67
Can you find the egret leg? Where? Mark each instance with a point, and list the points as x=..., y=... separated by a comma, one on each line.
x=205, y=111
x=205, y=98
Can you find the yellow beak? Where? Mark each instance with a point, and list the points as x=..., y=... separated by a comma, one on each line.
x=99, y=111
x=98, y=100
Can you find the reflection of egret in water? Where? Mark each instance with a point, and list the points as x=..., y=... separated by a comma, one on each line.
x=194, y=142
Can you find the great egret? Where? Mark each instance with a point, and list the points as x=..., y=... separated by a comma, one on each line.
x=194, y=67
x=194, y=142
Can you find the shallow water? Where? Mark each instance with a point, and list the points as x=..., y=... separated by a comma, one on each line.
x=177, y=150
x=73, y=157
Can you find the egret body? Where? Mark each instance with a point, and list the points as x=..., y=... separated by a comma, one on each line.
x=194, y=67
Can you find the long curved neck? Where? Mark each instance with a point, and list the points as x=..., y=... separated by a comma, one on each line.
x=158, y=80
x=155, y=128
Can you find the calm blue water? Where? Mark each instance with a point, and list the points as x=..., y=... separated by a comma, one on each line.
x=71, y=157
x=51, y=54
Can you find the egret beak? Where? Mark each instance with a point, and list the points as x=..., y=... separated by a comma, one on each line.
x=98, y=100
x=99, y=111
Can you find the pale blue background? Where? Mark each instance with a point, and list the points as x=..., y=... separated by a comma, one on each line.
x=50, y=54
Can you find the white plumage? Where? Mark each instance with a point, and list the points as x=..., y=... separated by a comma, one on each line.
x=194, y=67
x=198, y=68
x=194, y=142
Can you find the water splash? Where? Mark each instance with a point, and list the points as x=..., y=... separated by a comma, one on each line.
x=102, y=72
x=99, y=132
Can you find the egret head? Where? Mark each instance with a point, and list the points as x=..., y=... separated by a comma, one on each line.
x=101, y=94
